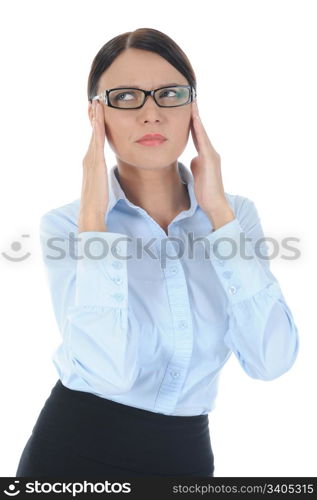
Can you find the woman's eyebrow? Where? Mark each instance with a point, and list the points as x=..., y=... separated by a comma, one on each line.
x=138, y=87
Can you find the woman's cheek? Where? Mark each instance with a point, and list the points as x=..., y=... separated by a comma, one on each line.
x=183, y=137
x=115, y=138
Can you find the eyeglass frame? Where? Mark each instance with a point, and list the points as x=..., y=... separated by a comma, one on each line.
x=104, y=96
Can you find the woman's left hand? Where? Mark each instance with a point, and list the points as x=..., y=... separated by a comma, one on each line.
x=205, y=167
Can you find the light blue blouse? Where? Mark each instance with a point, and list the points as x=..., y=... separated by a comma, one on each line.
x=148, y=319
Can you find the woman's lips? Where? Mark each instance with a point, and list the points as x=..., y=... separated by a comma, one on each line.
x=151, y=142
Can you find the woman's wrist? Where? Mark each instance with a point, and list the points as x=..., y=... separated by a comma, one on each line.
x=95, y=222
x=220, y=216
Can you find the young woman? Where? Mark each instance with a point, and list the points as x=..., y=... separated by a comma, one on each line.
x=150, y=285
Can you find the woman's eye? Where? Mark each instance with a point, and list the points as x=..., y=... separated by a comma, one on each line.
x=166, y=92
x=118, y=96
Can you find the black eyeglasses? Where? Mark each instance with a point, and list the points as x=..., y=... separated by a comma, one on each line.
x=133, y=98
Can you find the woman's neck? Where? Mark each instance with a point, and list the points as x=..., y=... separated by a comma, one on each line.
x=160, y=192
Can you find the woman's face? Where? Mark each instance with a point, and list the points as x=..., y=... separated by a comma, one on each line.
x=147, y=70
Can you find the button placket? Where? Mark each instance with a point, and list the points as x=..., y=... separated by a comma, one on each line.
x=181, y=336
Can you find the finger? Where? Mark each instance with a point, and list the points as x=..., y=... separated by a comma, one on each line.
x=197, y=128
x=99, y=124
x=96, y=145
x=192, y=129
x=92, y=137
x=202, y=138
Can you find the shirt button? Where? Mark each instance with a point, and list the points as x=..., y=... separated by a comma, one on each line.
x=220, y=262
x=175, y=374
x=182, y=324
x=173, y=270
x=116, y=264
x=118, y=296
x=117, y=280
x=232, y=289
x=227, y=274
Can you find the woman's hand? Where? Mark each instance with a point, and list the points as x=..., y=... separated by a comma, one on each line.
x=206, y=170
x=95, y=189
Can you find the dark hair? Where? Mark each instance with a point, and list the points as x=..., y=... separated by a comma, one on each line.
x=143, y=38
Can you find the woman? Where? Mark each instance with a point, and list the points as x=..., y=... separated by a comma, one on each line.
x=147, y=322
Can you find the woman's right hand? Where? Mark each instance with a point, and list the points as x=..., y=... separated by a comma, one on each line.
x=95, y=190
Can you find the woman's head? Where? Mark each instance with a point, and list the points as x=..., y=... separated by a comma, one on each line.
x=148, y=59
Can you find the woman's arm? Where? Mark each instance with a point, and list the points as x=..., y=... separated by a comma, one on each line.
x=262, y=333
x=90, y=302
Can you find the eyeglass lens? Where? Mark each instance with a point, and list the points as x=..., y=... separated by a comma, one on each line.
x=133, y=98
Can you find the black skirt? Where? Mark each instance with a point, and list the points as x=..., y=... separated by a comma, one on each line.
x=82, y=435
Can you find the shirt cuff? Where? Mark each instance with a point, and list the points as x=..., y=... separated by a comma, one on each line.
x=101, y=278
x=236, y=263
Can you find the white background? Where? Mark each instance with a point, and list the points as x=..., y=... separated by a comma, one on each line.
x=255, y=63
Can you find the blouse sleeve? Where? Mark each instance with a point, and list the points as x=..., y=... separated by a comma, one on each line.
x=261, y=330
x=88, y=283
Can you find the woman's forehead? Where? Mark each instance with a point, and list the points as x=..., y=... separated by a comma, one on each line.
x=141, y=69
